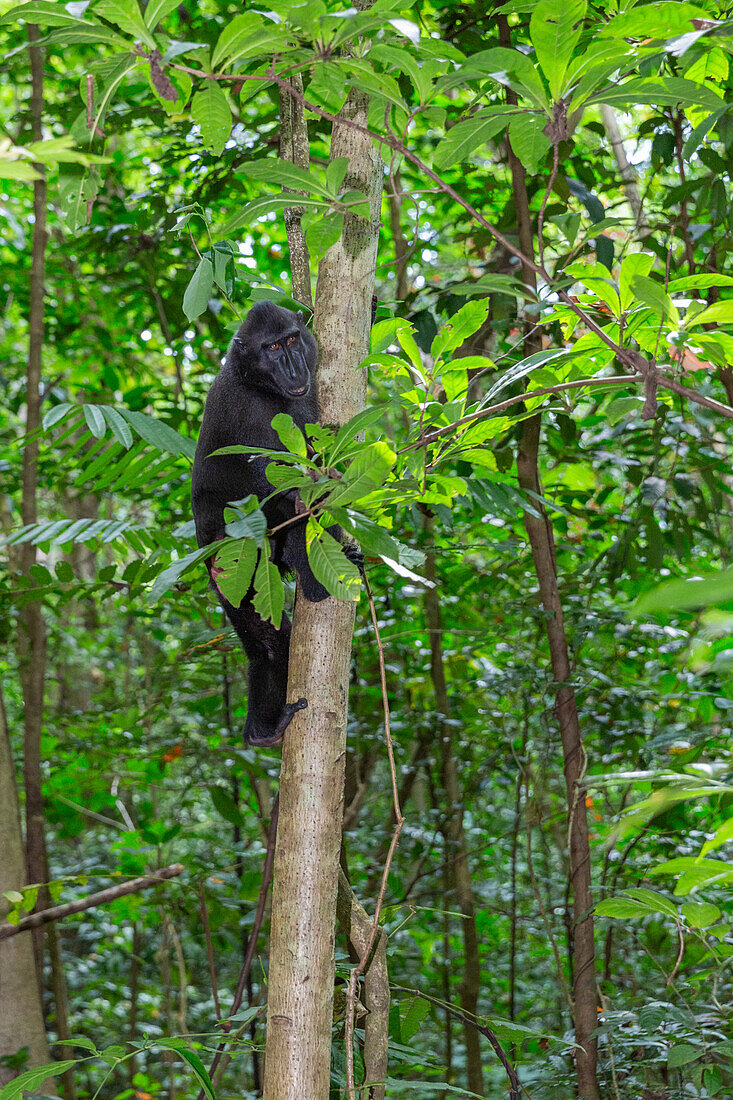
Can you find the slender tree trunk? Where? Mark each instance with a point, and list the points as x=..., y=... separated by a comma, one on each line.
x=541, y=540
x=300, y=995
x=455, y=836
x=21, y=1018
x=32, y=633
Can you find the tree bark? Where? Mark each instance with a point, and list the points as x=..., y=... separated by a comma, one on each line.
x=300, y=997
x=32, y=633
x=21, y=1018
x=357, y=926
x=455, y=837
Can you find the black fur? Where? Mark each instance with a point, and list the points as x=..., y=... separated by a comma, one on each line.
x=270, y=368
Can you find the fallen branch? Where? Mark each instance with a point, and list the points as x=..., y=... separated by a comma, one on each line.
x=58, y=912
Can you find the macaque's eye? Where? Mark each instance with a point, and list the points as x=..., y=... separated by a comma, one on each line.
x=274, y=347
x=292, y=339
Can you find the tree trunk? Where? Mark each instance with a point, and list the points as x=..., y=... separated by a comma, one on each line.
x=300, y=996
x=585, y=997
x=455, y=837
x=21, y=1019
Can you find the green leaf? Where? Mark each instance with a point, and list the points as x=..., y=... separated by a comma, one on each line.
x=268, y=204
x=33, y=1079
x=245, y=36
x=348, y=432
x=417, y=1011
x=722, y=835
x=252, y=526
x=120, y=430
x=282, y=173
x=555, y=30
x=659, y=93
x=269, y=599
x=681, y=1054
x=176, y=569
x=329, y=563
x=654, y=900
x=225, y=805
x=210, y=109
x=159, y=435
x=290, y=434
x=622, y=908
x=684, y=595
x=90, y=32
x=638, y=263
x=653, y=294
x=43, y=12
x=198, y=291
x=720, y=313
x=57, y=413
x=700, y=914
x=125, y=14
x=369, y=469
x=528, y=140
x=464, y=137
x=237, y=560
x=323, y=233
x=95, y=420
x=158, y=10
x=200, y=1071
x=461, y=325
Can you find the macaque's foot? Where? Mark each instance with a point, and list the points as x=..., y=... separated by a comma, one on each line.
x=353, y=552
x=261, y=737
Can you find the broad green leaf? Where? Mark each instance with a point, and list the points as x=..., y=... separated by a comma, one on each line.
x=251, y=526
x=529, y=142
x=681, y=1054
x=210, y=109
x=57, y=413
x=461, y=325
x=43, y=12
x=700, y=914
x=463, y=138
x=237, y=560
x=160, y=435
x=95, y=421
x=245, y=36
x=32, y=1079
x=663, y=19
x=323, y=233
x=653, y=294
x=92, y=33
x=290, y=434
x=120, y=429
x=18, y=170
x=700, y=282
x=125, y=14
x=684, y=595
x=622, y=908
x=269, y=599
x=348, y=432
x=197, y=293
x=555, y=30
x=158, y=10
x=721, y=836
x=454, y=376
x=598, y=279
x=720, y=313
x=225, y=805
x=282, y=173
x=638, y=263
x=668, y=92
x=329, y=563
x=268, y=204
x=190, y=1056
x=368, y=471
x=168, y=577
x=655, y=901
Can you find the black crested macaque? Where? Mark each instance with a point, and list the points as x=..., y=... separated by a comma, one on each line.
x=270, y=368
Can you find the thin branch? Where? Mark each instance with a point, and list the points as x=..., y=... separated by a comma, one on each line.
x=103, y=897
x=399, y=822
x=515, y=1085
